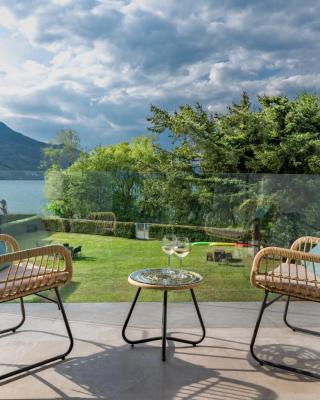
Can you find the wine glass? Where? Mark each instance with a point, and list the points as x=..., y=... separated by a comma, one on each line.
x=168, y=245
x=181, y=250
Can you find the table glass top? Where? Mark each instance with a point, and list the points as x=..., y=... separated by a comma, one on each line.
x=163, y=277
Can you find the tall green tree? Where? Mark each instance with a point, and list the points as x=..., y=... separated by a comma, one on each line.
x=65, y=149
x=207, y=176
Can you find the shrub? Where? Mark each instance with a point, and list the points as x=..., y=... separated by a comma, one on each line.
x=56, y=224
x=107, y=216
x=90, y=226
x=13, y=217
x=126, y=230
x=102, y=216
x=18, y=227
x=195, y=233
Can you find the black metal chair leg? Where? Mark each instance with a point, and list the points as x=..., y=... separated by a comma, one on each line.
x=193, y=342
x=51, y=359
x=164, y=325
x=23, y=313
x=264, y=305
x=66, y=322
x=133, y=342
x=296, y=328
x=256, y=328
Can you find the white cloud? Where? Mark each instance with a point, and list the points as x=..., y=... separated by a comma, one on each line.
x=7, y=19
x=61, y=2
x=96, y=65
x=29, y=28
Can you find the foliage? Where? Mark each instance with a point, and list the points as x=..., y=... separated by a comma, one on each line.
x=102, y=216
x=128, y=230
x=21, y=226
x=13, y=217
x=90, y=226
x=194, y=233
x=125, y=230
x=64, y=150
x=282, y=136
x=212, y=175
x=53, y=224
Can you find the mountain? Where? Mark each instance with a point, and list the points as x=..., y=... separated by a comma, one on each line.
x=19, y=152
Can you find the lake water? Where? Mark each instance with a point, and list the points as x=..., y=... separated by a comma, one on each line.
x=23, y=196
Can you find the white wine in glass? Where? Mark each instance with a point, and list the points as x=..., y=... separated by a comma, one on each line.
x=181, y=250
x=168, y=245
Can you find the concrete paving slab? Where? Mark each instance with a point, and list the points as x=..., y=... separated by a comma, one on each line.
x=103, y=366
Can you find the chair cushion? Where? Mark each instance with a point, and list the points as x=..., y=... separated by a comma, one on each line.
x=28, y=277
x=292, y=279
x=3, y=250
x=314, y=250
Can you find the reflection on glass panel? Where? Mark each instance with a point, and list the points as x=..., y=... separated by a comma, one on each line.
x=114, y=223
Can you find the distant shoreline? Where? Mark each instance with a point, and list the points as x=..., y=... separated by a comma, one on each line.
x=10, y=175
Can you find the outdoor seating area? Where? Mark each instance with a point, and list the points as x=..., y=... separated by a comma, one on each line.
x=33, y=272
x=292, y=273
x=210, y=346
x=159, y=211
x=103, y=366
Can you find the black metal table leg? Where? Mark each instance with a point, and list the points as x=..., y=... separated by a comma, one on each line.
x=164, y=325
x=164, y=336
x=193, y=342
x=133, y=342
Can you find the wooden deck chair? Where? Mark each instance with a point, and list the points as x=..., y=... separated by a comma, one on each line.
x=31, y=272
x=293, y=272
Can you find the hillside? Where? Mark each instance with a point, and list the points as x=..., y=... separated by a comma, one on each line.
x=19, y=152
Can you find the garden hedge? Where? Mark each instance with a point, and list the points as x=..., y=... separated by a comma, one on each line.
x=13, y=217
x=21, y=226
x=127, y=229
x=102, y=216
x=56, y=224
x=194, y=233
x=77, y=226
x=90, y=226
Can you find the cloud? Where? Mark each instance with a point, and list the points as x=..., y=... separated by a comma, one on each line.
x=97, y=65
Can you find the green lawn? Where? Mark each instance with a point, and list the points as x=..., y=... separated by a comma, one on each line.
x=100, y=275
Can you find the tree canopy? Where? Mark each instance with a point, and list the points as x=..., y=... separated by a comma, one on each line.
x=64, y=149
x=207, y=176
x=281, y=136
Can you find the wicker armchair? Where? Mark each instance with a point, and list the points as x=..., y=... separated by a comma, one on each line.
x=27, y=272
x=293, y=272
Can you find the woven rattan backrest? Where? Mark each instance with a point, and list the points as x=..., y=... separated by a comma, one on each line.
x=34, y=268
x=10, y=243
x=286, y=269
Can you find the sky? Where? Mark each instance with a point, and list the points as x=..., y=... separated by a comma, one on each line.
x=96, y=66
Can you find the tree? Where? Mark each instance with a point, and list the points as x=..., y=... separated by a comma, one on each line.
x=282, y=136
x=210, y=173
x=64, y=150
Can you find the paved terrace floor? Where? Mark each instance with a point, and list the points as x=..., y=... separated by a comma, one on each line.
x=102, y=366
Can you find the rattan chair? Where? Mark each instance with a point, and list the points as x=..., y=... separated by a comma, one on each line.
x=31, y=272
x=293, y=272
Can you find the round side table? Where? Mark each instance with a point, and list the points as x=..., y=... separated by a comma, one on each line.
x=160, y=279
